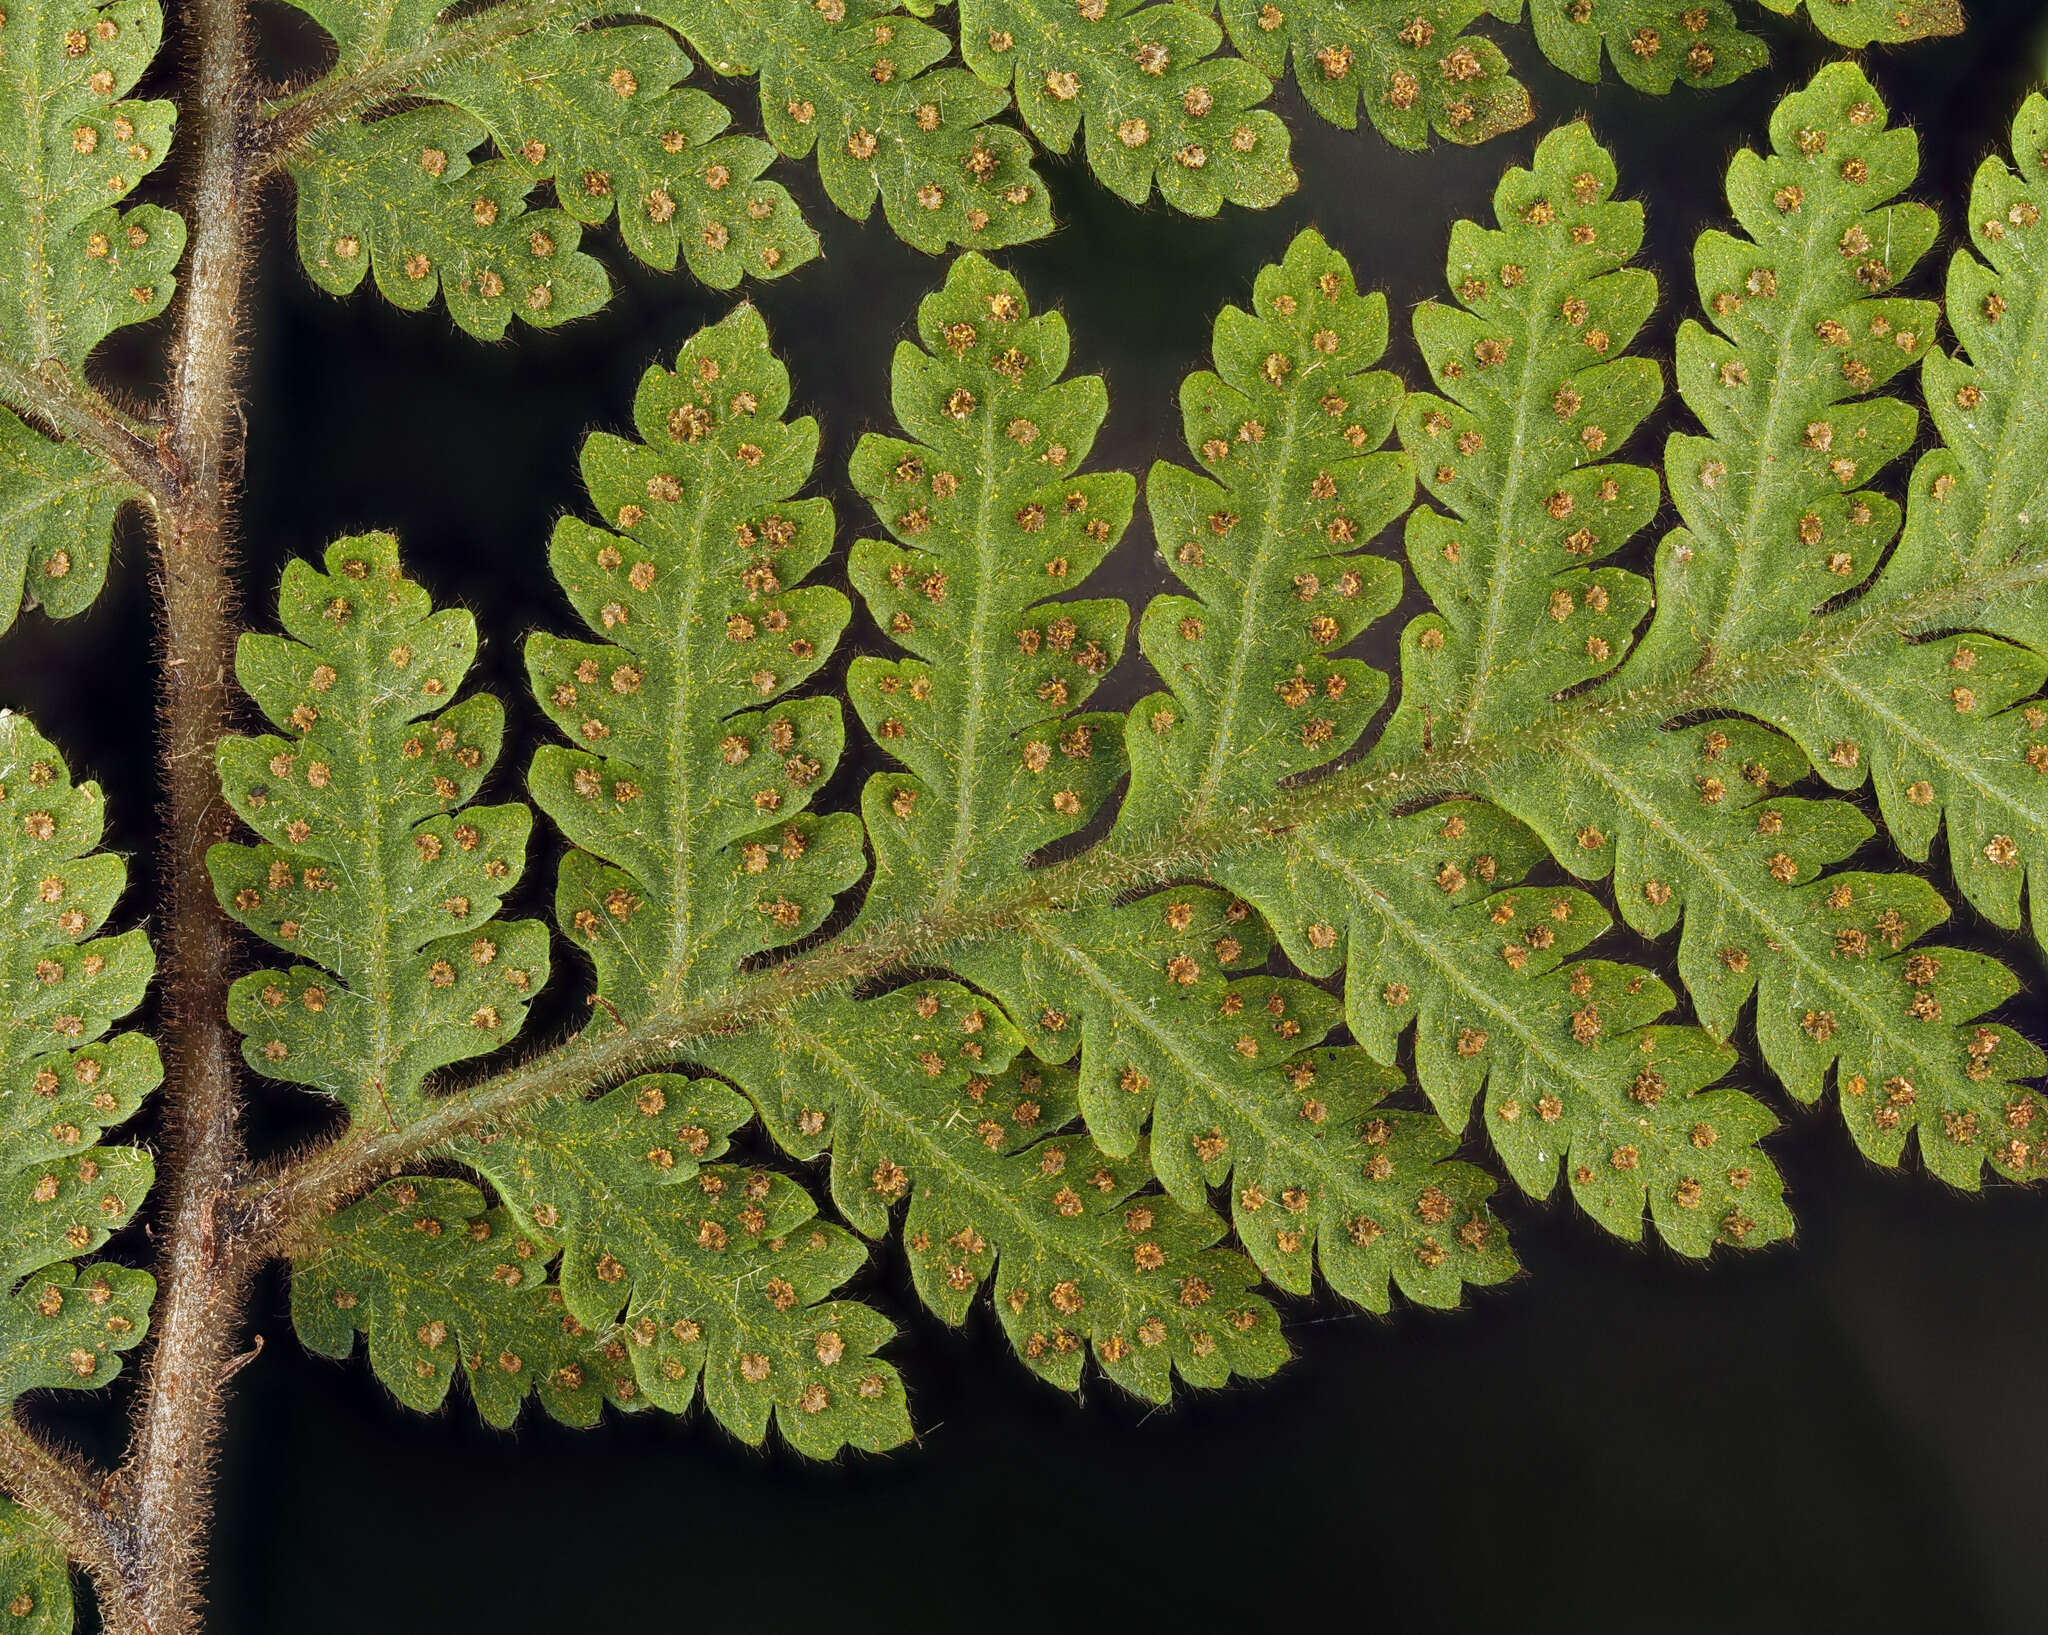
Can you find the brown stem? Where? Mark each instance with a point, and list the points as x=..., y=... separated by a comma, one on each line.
x=69, y=1497
x=165, y=1484
x=284, y=1203
x=74, y=411
x=288, y=121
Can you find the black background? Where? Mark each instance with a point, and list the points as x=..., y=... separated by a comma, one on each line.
x=1840, y=1434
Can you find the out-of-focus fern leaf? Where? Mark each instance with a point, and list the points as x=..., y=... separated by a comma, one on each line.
x=1409, y=62
x=35, y=1577
x=1159, y=106
x=63, y=1081
x=1858, y=23
x=1653, y=44
x=374, y=869
x=399, y=198
x=911, y=1091
x=74, y=268
x=687, y=790
x=1537, y=392
x=701, y=1270
x=436, y=1281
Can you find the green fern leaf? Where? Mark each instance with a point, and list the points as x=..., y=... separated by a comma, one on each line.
x=76, y=268
x=1950, y=727
x=436, y=1281
x=1859, y=23
x=991, y=516
x=912, y=1093
x=1441, y=927
x=715, y=1272
x=858, y=81
x=64, y=1082
x=1538, y=390
x=1288, y=430
x=400, y=199
x=1692, y=822
x=1160, y=108
x=599, y=112
x=1411, y=66
x=686, y=796
x=1422, y=901
x=1653, y=44
x=58, y=503
x=35, y=1576
x=373, y=869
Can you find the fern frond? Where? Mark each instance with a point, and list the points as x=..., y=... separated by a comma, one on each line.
x=598, y=111
x=374, y=868
x=400, y=199
x=1411, y=67
x=75, y=268
x=991, y=517
x=1159, y=107
x=35, y=1577
x=1539, y=389
x=922, y=1094
x=1950, y=727
x=1692, y=822
x=437, y=1281
x=686, y=796
x=708, y=1271
x=591, y=100
x=63, y=1082
x=1652, y=44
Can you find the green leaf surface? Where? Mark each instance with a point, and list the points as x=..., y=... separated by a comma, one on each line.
x=921, y=1095
x=600, y=113
x=1653, y=44
x=35, y=1577
x=400, y=199
x=63, y=1081
x=58, y=502
x=1159, y=107
x=75, y=268
x=1287, y=431
x=1537, y=392
x=991, y=517
x=686, y=793
x=1833, y=960
x=375, y=871
x=1408, y=63
x=701, y=1271
x=1951, y=729
x=1433, y=921
x=438, y=1282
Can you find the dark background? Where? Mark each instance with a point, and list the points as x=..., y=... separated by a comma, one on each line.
x=1839, y=1434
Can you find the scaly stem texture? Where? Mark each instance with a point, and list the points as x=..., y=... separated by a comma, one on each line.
x=170, y=1462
